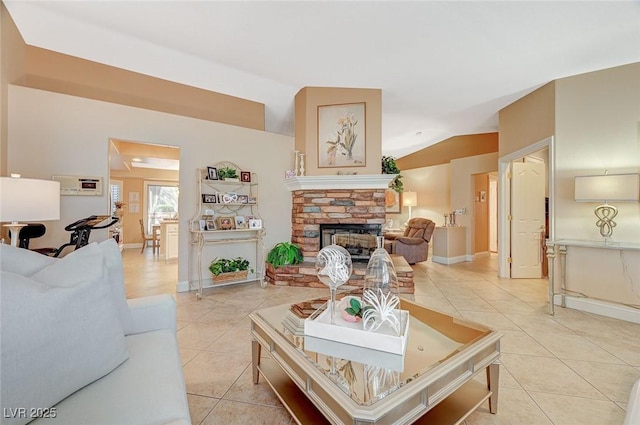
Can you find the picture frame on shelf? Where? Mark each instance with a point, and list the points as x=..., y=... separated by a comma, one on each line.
x=202, y=225
x=245, y=176
x=252, y=200
x=341, y=135
x=226, y=223
x=240, y=222
x=208, y=198
x=229, y=198
x=255, y=223
x=243, y=199
x=212, y=173
x=210, y=225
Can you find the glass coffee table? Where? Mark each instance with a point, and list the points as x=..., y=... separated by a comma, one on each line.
x=322, y=381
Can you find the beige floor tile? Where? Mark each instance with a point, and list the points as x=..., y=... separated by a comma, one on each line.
x=199, y=336
x=212, y=374
x=188, y=354
x=627, y=349
x=519, y=342
x=612, y=380
x=235, y=413
x=537, y=323
x=492, y=319
x=548, y=375
x=245, y=390
x=567, y=410
x=235, y=341
x=200, y=407
x=473, y=303
x=515, y=407
x=573, y=347
x=513, y=306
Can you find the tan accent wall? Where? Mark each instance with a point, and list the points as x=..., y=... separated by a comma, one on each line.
x=481, y=212
x=307, y=101
x=527, y=120
x=449, y=149
x=12, y=65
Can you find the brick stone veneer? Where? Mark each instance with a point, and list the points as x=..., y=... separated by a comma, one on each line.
x=304, y=275
x=310, y=208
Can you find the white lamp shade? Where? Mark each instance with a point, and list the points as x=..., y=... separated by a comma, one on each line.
x=409, y=199
x=607, y=187
x=29, y=199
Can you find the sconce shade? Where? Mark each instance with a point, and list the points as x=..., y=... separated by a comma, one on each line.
x=29, y=199
x=607, y=187
x=409, y=199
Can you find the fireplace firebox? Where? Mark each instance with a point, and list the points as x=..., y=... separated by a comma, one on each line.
x=358, y=239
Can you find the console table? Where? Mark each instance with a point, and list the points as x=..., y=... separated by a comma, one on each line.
x=558, y=249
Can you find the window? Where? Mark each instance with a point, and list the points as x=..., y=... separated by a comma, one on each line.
x=161, y=201
x=115, y=192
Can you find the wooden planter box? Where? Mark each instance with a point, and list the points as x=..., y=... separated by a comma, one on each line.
x=226, y=277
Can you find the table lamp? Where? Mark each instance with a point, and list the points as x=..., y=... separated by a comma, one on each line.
x=27, y=200
x=409, y=199
x=604, y=189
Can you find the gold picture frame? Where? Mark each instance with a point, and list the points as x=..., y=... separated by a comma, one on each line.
x=392, y=202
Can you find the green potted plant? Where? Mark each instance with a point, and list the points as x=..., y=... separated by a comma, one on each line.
x=389, y=167
x=284, y=253
x=224, y=269
x=228, y=173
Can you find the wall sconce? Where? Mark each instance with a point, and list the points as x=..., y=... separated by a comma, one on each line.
x=409, y=199
x=604, y=189
x=27, y=200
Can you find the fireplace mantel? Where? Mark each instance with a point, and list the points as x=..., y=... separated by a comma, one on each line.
x=351, y=181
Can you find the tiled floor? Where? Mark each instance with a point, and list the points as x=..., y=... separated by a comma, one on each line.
x=573, y=368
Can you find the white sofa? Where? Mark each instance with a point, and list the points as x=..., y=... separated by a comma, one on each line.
x=633, y=406
x=75, y=351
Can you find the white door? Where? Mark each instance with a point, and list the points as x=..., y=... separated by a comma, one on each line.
x=527, y=219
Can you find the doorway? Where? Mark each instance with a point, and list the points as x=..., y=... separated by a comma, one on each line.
x=147, y=179
x=543, y=148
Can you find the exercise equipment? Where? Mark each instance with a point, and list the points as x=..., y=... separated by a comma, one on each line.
x=81, y=230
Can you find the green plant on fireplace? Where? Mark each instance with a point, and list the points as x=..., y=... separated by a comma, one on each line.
x=225, y=265
x=389, y=167
x=284, y=253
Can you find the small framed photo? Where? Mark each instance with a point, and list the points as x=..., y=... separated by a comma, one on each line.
x=245, y=176
x=212, y=173
x=208, y=198
x=229, y=198
x=210, y=225
x=252, y=199
x=226, y=223
x=289, y=174
x=255, y=223
x=243, y=199
x=240, y=222
x=203, y=225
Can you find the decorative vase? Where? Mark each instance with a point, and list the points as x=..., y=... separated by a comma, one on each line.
x=380, y=292
x=333, y=265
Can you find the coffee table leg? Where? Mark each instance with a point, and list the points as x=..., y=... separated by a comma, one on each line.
x=255, y=359
x=493, y=382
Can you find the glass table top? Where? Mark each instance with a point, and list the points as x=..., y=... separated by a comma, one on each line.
x=367, y=375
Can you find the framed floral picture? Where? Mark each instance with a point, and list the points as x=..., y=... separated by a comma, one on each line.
x=341, y=135
x=392, y=202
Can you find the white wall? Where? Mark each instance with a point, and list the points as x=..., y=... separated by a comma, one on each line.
x=52, y=134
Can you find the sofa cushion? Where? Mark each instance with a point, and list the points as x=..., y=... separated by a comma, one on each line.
x=22, y=261
x=146, y=389
x=60, y=331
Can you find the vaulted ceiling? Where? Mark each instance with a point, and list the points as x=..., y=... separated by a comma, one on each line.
x=445, y=68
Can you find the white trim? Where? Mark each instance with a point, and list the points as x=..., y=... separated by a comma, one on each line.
x=450, y=260
x=602, y=308
x=504, y=239
x=352, y=181
x=482, y=254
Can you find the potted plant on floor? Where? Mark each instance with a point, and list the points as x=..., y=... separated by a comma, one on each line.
x=284, y=254
x=224, y=269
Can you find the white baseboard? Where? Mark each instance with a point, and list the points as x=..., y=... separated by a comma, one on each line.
x=602, y=308
x=481, y=254
x=182, y=286
x=449, y=260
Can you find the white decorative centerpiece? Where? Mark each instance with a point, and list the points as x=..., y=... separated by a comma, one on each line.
x=333, y=265
x=380, y=292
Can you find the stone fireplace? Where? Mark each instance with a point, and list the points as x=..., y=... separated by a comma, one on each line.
x=359, y=239
x=354, y=202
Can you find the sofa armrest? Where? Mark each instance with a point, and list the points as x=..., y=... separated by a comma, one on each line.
x=152, y=313
x=392, y=236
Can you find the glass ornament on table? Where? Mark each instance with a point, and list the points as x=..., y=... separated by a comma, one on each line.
x=380, y=292
x=333, y=266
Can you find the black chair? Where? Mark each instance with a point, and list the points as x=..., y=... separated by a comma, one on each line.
x=33, y=231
